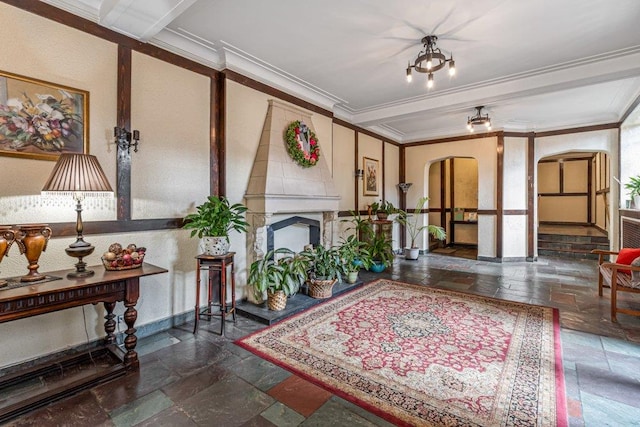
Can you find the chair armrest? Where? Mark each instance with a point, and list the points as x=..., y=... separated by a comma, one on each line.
x=603, y=252
x=615, y=266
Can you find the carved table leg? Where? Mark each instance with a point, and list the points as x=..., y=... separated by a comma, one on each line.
x=110, y=324
x=130, y=316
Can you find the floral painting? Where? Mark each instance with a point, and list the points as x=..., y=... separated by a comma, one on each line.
x=370, y=167
x=41, y=120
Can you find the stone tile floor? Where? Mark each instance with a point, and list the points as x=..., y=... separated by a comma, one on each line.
x=204, y=379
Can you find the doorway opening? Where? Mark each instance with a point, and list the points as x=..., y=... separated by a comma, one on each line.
x=573, y=204
x=453, y=204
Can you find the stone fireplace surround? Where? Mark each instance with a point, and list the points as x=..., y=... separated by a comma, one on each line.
x=280, y=189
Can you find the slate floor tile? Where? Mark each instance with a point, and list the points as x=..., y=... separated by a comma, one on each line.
x=610, y=385
x=140, y=409
x=601, y=412
x=282, y=416
x=259, y=372
x=335, y=415
x=228, y=402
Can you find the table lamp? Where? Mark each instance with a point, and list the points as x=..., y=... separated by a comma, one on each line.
x=78, y=176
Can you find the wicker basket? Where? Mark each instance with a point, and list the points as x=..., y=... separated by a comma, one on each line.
x=321, y=288
x=107, y=264
x=277, y=300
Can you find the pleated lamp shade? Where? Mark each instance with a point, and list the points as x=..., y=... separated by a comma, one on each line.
x=77, y=173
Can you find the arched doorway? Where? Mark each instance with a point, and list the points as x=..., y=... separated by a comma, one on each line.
x=573, y=204
x=453, y=204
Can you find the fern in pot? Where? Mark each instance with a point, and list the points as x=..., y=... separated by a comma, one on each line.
x=214, y=220
x=411, y=222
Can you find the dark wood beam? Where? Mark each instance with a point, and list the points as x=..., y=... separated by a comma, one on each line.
x=123, y=165
x=499, y=194
x=531, y=168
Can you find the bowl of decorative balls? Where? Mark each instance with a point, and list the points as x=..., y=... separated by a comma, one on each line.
x=123, y=258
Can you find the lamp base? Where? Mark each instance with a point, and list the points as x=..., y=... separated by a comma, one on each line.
x=80, y=251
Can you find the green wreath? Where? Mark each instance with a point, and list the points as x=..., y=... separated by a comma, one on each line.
x=298, y=137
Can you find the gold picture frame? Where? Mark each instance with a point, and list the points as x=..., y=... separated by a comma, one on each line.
x=41, y=120
x=371, y=176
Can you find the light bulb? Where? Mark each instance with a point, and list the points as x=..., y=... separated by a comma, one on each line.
x=429, y=61
x=430, y=81
x=452, y=67
x=471, y=129
x=409, y=77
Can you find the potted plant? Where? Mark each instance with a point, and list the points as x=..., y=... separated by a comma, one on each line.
x=634, y=190
x=213, y=221
x=324, y=270
x=361, y=226
x=279, y=273
x=411, y=222
x=381, y=252
x=383, y=209
x=354, y=256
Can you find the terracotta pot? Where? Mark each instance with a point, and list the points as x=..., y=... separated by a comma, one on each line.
x=7, y=237
x=32, y=240
x=276, y=301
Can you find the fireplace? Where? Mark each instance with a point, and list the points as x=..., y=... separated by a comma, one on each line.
x=281, y=193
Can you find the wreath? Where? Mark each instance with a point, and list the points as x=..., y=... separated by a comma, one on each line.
x=302, y=144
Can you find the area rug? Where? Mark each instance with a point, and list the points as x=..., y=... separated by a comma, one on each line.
x=421, y=356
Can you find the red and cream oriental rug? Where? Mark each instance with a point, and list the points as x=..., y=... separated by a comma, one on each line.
x=422, y=356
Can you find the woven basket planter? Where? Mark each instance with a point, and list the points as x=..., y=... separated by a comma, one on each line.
x=321, y=288
x=277, y=300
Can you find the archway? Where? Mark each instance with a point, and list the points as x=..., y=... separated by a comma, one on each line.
x=453, y=204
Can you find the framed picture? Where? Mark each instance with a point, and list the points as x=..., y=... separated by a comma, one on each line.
x=371, y=174
x=41, y=120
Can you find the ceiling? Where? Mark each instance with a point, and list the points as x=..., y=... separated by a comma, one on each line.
x=536, y=65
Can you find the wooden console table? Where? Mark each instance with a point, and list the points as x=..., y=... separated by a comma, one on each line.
x=106, y=287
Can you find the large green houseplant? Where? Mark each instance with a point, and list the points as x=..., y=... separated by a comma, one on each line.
x=324, y=270
x=212, y=222
x=411, y=222
x=354, y=255
x=634, y=190
x=381, y=252
x=279, y=274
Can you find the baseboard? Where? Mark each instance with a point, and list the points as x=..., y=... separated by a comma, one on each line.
x=489, y=259
x=514, y=259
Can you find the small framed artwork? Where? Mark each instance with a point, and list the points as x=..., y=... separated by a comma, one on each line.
x=41, y=120
x=371, y=174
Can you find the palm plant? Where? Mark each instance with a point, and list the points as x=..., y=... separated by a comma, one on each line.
x=411, y=222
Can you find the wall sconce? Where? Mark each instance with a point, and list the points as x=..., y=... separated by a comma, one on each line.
x=404, y=186
x=126, y=139
x=359, y=173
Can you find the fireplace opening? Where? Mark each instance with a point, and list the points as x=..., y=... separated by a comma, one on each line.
x=312, y=225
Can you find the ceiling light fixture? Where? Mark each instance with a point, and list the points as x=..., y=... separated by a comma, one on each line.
x=429, y=60
x=479, y=120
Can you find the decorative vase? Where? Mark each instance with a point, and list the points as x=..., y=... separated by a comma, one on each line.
x=411, y=253
x=636, y=201
x=213, y=245
x=321, y=289
x=352, y=277
x=276, y=301
x=7, y=237
x=32, y=240
x=377, y=267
